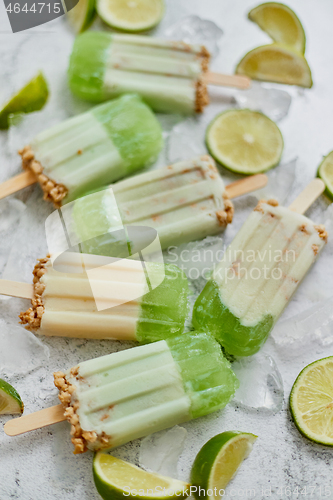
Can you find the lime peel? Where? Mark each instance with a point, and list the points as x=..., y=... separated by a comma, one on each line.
x=32, y=97
x=116, y=479
x=277, y=63
x=245, y=141
x=82, y=15
x=311, y=401
x=131, y=15
x=218, y=461
x=281, y=23
x=325, y=172
x=10, y=400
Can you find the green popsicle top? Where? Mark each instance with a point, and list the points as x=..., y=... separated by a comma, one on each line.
x=208, y=378
x=164, y=309
x=88, y=64
x=166, y=74
x=133, y=128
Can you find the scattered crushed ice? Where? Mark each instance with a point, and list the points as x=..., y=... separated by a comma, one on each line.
x=280, y=182
x=160, y=452
x=272, y=102
x=31, y=230
x=21, y=352
x=194, y=29
x=261, y=385
x=48, y=393
x=305, y=331
x=11, y=211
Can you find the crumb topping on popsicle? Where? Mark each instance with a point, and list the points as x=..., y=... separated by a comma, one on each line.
x=201, y=96
x=225, y=216
x=53, y=191
x=80, y=438
x=33, y=316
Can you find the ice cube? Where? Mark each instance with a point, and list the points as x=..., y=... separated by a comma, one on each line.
x=306, y=331
x=11, y=211
x=261, y=385
x=272, y=102
x=21, y=352
x=31, y=230
x=280, y=182
x=194, y=29
x=187, y=139
x=160, y=452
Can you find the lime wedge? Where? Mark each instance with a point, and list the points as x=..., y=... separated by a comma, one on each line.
x=82, y=15
x=325, y=172
x=280, y=23
x=276, y=63
x=10, y=401
x=30, y=98
x=131, y=15
x=116, y=480
x=244, y=141
x=311, y=401
x=217, y=462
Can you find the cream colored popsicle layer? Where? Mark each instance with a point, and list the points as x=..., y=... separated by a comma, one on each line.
x=129, y=394
x=94, y=298
x=257, y=277
x=185, y=201
x=166, y=74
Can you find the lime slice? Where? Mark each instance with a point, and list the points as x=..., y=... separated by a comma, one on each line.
x=244, y=141
x=311, y=401
x=31, y=98
x=82, y=15
x=280, y=23
x=10, y=401
x=131, y=15
x=276, y=63
x=116, y=480
x=325, y=172
x=217, y=462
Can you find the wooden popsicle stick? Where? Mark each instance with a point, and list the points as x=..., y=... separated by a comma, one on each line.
x=238, y=81
x=16, y=289
x=17, y=183
x=36, y=420
x=247, y=185
x=308, y=196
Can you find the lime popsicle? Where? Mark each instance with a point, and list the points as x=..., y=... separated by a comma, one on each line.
x=258, y=275
x=166, y=74
x=99, y=299
x=93, y=149
x=129, y=394
x=183, y=202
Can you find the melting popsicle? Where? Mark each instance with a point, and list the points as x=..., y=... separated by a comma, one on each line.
x=170, y=76
x=100, y=298
x=90, y=150
x=129, y=394
x=259, y=273
x=183, y=202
